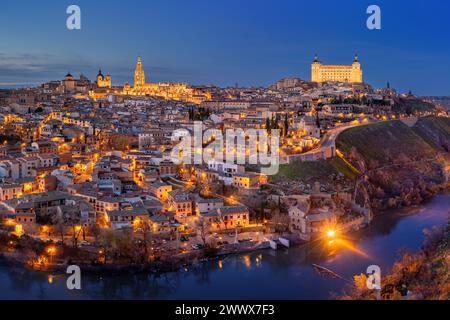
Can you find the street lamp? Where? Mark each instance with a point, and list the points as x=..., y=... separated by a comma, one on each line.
x=331, y=234
x=18, y=230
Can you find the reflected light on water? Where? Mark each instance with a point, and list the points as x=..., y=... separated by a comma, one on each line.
x=259, y=260
x=350, y=246
x=247, y=261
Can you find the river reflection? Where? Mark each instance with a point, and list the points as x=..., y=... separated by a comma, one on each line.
x=284, y=274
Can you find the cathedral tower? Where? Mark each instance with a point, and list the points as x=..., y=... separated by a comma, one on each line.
x=139, y=75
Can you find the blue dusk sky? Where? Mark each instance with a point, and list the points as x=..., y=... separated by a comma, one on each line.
x=224, y=42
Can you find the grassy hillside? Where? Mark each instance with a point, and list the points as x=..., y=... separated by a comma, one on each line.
x=435, y=131
x=412, y=105
x=387, y=141
x=314, y=171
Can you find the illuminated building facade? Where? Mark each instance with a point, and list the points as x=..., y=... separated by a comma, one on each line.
x=170, y=91
x=103, y=81
x=337, y=73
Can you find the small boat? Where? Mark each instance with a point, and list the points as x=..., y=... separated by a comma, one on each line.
x=324, y=272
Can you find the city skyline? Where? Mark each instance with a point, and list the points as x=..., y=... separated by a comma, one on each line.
x=226, y=43
x=227, y=150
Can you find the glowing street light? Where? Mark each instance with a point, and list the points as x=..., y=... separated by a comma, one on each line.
x=10, y=222
x=331, y=233
x=18, y=230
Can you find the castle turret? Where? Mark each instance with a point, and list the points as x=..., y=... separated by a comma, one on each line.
x=316, y=59
x=357, y=74
x=315, y=69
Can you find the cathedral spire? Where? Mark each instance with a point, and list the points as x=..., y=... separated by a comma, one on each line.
x=139, y=74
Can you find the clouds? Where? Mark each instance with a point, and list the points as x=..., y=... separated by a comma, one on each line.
x=28, y=68
x=39, y=68
x=224, y=42
x=23, y=69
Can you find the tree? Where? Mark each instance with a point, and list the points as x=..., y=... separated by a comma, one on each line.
x=286, y=125
x=147, y=235
x=124, y=245
x=107, y=242
x=274, y=124
x=281, y=222
x=95, y=231
x=72, y=219
x=361, y=282
x=268, y=125
x=57, y=219
x=203, y=229
x=62, y=220
x=262, y=211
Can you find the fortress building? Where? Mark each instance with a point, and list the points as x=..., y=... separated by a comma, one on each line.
x=337, y=73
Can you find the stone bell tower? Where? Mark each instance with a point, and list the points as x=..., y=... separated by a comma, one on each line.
x=139, y=75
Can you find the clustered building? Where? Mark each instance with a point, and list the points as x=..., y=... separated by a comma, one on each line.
x=87, y=154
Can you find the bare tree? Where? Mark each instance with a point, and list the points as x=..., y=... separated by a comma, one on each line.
x=280, y=222
x=57, y=219
x=203, y=229
x=95, y=231
x=147, y=237
x=107, y=241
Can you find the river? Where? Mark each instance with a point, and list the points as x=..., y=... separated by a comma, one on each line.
x=285, y=274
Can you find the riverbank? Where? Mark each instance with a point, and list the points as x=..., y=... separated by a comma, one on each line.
x=12, y=257
x=399, y=165
x=423, y=275
x=266, y=274
x=181, y=263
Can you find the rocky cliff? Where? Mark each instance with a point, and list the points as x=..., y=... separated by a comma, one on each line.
x=399, y=165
